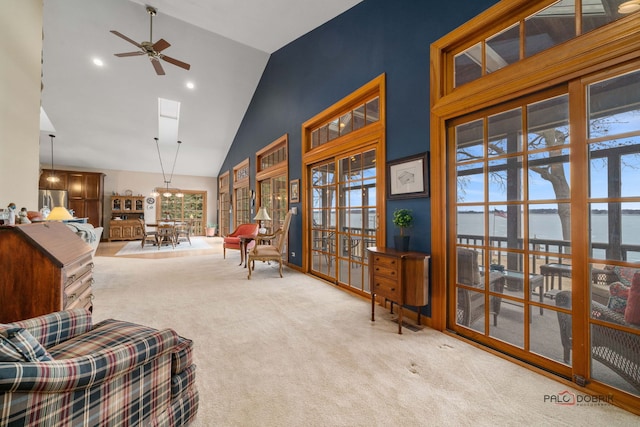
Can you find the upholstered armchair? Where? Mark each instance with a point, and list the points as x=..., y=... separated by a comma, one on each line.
x=271, y=251
x=470, y=305
x=232, y=241
x=60, y=369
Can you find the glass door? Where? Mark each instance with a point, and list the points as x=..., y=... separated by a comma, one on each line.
x=344, y=218
x=511, y=199
x=613, y=139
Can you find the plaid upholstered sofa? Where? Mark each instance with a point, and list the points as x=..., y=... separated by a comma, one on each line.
x=60, y=370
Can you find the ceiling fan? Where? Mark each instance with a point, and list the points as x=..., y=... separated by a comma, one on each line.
x=152, y=50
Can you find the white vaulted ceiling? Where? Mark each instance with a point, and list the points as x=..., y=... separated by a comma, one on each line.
x=106, y=117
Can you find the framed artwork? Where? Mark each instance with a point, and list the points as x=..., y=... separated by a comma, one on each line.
x=294, y=191
x=408, y=177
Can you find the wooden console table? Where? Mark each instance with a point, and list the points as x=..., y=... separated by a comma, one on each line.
x=400, y=277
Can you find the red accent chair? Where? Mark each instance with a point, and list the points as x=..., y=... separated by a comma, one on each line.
x=232, y=241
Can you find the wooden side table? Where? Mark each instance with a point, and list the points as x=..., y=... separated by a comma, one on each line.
x=244, y=241
x=400, y=277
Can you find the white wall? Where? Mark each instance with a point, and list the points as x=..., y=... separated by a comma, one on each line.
x=20, y=80
x=143, y=183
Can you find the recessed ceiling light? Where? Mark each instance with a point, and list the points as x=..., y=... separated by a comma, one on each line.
x=98, y=62
x=190, y=85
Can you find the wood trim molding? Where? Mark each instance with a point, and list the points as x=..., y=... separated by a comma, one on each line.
x=372, y=134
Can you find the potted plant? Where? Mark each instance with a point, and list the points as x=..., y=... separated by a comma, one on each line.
x=211, y=230
x=403, y=219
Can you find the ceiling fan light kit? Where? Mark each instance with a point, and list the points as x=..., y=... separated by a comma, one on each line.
x=152, y=50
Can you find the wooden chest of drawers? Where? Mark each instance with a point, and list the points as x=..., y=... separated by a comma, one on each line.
x=400, y=277
x=46, y=267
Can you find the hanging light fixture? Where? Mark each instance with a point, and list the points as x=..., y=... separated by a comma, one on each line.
x=629, y=6
x=52, y=177
x=168, y=192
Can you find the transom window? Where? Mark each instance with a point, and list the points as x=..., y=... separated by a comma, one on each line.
x=532, y=32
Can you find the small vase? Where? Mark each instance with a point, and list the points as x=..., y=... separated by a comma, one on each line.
x=402, y=243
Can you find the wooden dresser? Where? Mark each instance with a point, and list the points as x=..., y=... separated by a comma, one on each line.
x=126, y=212
x=400, y=277
x=45, y=267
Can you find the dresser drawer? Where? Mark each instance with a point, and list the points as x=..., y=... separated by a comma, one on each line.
x=381, y=270
x=387, y=288
x=78, y=269
x=74, y=290
x=385, y=261
x=82, y=299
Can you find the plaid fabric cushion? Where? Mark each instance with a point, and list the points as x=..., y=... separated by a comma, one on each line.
x=182, y=356
x=111, y=333
x=18, y=345
x=183, y=381
x=54, y=328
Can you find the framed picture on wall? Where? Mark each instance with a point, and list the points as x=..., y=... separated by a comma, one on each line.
x=408, y=177
x=294, y=191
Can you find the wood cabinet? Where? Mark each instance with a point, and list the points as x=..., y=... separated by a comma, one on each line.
x=46, y=267
x=85, y=190
x=126, y=211
x=400, y=277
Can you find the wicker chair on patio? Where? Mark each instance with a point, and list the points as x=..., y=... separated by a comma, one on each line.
x=470, y=306
x=272, y=251
x=616, y=349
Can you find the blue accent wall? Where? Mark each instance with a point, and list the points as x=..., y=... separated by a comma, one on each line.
x=332, y=61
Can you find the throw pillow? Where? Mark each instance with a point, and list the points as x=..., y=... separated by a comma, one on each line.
x=632, y=313
x=625, y=274
x=618, y=294
x=18, y=345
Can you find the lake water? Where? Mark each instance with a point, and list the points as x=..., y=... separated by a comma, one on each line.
x=547, y=226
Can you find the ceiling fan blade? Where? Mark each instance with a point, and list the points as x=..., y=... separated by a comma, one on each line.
x=158, y=66
x=175, y=62
x=126, y=38
x=160, y=45
x=121, y=55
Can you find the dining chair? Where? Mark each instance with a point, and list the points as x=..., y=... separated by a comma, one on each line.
x=183, y=231
x=166, y=233
x=147, y=236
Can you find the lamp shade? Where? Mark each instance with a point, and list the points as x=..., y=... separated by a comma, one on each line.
x=59, y=214
x=262, y=215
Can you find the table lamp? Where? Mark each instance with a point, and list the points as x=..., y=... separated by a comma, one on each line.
x=59, y=214
x=262, y=215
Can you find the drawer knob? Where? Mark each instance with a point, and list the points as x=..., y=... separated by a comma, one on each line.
x=72, y=296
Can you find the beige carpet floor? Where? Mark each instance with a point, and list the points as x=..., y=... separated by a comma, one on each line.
x=299, y=352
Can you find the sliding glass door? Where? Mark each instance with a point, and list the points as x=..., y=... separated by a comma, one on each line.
x=344, y=216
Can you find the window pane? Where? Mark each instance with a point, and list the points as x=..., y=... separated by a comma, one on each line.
x=505, y=132
x=505, y=179
x=550, y=227
x=506, y=226
x=334, y=129
x=614, y=106
x=549, y=175
x=470, y=141
x=467, y=65
x=548, y=123
x=346, y=124
x=470, y=183
x=373, y=110
x=595, y=15
x=549, y=27
x=470, y=225
x=503, y=49
x=358, y=117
